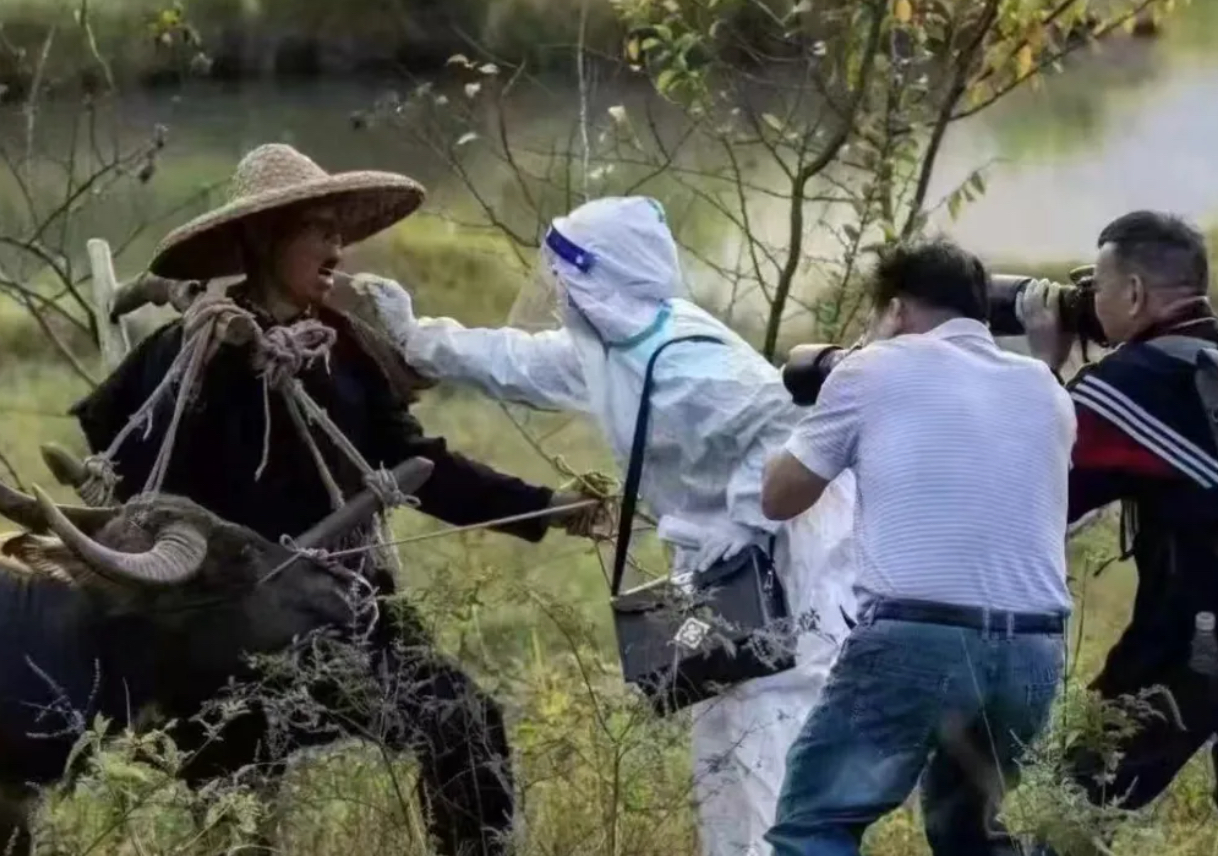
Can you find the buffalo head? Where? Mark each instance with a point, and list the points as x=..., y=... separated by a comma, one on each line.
x=209, y=591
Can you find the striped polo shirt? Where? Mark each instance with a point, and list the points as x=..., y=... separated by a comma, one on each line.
x=961, y=455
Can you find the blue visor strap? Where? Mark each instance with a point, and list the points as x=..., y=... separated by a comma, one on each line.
x=569, y=251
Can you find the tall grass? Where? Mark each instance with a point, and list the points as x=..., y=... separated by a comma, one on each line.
x=531, y=621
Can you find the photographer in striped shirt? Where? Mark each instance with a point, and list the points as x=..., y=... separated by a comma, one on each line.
x=961, y=456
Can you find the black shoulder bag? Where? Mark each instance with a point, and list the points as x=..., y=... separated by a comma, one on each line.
x=681, y=647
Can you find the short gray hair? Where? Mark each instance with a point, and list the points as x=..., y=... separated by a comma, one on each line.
x=1163, y=249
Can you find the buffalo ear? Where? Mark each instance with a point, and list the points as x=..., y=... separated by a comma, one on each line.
x=30, y=556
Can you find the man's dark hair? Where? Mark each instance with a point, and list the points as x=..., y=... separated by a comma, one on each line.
x=1165, y=250
x=936, y=273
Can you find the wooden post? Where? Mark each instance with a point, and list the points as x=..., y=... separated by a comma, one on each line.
x=112, y=336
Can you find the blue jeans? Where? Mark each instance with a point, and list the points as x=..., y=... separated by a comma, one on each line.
x=902, y=694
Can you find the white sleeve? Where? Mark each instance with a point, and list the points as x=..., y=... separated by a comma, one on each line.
x=541, y=370
x=826, y=440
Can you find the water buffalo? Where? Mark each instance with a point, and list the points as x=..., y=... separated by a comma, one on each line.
x=158, y=602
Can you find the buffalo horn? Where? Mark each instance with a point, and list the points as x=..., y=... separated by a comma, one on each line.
x=25, y=511
x=409, y=475
x=67, y=469
x=175, y=557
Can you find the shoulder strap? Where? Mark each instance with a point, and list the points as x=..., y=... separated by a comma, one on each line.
x=1183, y=348
x=1202, y=355
x=634, y=470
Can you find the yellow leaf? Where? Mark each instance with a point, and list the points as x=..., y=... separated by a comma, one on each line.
x=632, y=50
x=903, y=10
x=1023, y=61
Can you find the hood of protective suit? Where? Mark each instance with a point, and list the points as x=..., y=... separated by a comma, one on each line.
x=617, y=263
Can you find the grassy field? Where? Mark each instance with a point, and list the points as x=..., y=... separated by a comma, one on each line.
x=531, y=621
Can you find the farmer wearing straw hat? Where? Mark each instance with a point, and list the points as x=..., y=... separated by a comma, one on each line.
x=242, y=453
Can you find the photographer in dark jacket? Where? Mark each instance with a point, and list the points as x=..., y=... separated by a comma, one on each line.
x=1144, y=439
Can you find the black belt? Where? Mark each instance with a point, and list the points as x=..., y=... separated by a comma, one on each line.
x=972, y=617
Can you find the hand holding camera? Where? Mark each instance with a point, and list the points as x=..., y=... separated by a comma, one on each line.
x=1053, y=316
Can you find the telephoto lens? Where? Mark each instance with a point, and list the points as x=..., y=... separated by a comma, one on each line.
x=1076, y=309
x=808, y=368
x=1005, y=292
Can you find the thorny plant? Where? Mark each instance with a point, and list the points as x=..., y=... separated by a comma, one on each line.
x=598, y=774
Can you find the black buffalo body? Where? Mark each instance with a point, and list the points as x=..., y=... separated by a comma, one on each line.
x=84, y=638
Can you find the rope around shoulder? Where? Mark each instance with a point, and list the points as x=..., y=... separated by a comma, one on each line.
x=279, y=355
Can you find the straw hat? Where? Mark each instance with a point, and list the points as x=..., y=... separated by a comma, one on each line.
x=274, y=176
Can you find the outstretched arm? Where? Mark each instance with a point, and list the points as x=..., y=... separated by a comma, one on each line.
x=541, y=370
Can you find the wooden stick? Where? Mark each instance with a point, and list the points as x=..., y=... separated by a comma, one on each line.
x=112, y=336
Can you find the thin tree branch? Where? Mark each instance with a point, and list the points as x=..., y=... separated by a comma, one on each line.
x=805, y=174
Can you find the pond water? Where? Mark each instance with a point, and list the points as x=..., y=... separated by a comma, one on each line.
x=1133, y=126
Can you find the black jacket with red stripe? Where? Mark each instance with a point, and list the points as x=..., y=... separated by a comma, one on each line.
x=1144, y=439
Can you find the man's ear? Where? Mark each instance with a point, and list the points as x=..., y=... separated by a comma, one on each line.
x=1139, y=298
x=888, y=320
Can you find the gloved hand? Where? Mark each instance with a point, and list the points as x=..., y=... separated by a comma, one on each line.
x=1038, y=309
x=718, y=548
x=392, y=304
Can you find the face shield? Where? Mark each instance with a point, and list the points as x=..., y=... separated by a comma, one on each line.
x=543, y=301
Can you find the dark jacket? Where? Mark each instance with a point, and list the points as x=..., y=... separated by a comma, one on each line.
x=219, y=444
x=1143, y=439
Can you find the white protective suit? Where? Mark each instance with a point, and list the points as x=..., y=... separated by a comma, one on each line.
x=719, y=412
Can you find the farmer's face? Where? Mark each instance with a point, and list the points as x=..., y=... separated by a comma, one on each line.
x=305, y=258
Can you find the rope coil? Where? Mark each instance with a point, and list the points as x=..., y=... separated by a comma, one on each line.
x=280, y=354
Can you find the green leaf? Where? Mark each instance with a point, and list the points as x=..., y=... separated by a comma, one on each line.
x=665, y=80
x=953, y=205
x=773, y=121
x=977, y=182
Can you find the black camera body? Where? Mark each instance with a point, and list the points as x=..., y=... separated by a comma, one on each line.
x=804, y=375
